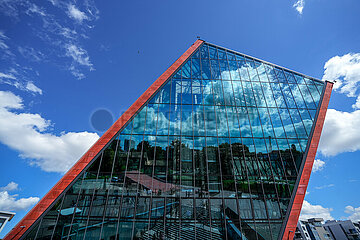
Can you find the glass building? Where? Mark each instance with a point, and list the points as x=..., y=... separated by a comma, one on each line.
x=219, y=147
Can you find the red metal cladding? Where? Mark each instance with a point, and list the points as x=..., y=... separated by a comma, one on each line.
x=64, y=182
x=305, y=176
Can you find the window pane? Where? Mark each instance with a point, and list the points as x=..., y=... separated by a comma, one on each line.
x=207, y=92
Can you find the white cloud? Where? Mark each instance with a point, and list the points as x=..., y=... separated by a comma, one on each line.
x=5, y=75
x=10, y=79
x=76, y=14
x=31, y=54
x=325, y=186
x=79, y=55
x=340, y=133
x=315, y=211
x=12, y=186
x=346, y=71
x=3, y=45
x=32, y=88
x=10, y=101
x=299, y=6
x=9, y=202
x=355, y=213
x=34, y=9
x=318, y=165
x=27, y=133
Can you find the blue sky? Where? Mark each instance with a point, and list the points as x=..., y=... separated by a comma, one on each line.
x=60, y=61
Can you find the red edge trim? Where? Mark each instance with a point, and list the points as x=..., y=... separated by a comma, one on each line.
x=305, y=176
x=79, y=166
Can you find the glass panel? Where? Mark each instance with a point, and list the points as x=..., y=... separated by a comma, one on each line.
x=186, y=120
x=163, y=119
x=218, y=93
x=287, y=95
x=252, y=70
x=195, y=68
x=234, y=71
x=259, y=96
x=266, y=123
x=297, y=96
x=280, y=75
x=215, y=69
x=289, y=77
x=210, y=120
x=151, y=118
x=315, y=94
x=243, y=70
x=204, y=51
x=255, y=122
x=225, y=73
x=270, y=101
x=196, y=92
x=163, y=95
x=299, y=79
x=244, y=122
x=307, y=96
x=205, y=69
x=222, y=54
x=213, y=52
x=239, y=96
x=248, y=94
x=186, y=96
x=221, y=121
x=288, y=125
x=270, y=73
x=186, y=70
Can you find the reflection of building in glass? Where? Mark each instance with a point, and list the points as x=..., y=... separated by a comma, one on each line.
x=219, y=147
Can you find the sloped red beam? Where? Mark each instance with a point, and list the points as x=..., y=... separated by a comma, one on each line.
x=305, y=175
x=69, y=177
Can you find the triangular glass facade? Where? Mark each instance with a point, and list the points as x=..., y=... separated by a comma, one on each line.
x=214, y=154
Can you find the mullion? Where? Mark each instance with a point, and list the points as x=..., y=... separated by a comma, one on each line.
x=244, y=156
x=58, y=215
x=256, y=157
x=93, y=194
x=138, y=182
x=123, y=185
x=231, y=152
x=256, y=150
x=282, y=161
x=220, y=170
x=193, y=145
x=153, y=172
x=286, y=135
x=277, y=194
x=167, y=158
x=111, y=175
x=180, y=156
x=267, y=210
x=206, y=155
x=76, y=204
x=297, y=107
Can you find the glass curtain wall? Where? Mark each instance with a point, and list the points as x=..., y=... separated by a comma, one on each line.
x=214, y=154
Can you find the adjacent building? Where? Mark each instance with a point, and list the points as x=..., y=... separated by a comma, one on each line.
x=220, y=146
x=5, y=217
x=343, y=229
x=312, y=229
